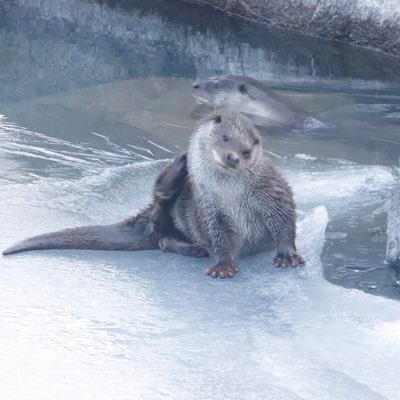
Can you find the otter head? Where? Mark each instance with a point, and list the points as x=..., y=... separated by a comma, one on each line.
x=229, y=140
x=220, y=92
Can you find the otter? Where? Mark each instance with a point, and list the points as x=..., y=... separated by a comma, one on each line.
x=222, y=199
x=253, y=98
x=234, y=201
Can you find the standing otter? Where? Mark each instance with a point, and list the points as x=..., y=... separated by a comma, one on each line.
x=255, y=99
x=222, y=199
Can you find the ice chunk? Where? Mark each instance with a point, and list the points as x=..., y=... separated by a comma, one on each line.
x=393, y=228
x=341, y=186
x=311, y=238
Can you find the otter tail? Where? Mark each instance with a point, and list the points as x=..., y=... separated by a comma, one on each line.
x=134, y=234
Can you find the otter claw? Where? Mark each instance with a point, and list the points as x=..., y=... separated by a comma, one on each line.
x=222, y=271
x=286, y=260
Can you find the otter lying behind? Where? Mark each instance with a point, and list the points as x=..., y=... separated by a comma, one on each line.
x=255, y=99
x=222, y=198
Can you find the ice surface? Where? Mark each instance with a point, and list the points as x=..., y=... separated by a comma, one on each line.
x=148, y=325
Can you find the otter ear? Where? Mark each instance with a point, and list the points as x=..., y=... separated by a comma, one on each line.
x=242, y=88
x=217, y=119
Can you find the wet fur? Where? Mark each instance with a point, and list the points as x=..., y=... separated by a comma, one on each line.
x=136, y=233
x=234, y=213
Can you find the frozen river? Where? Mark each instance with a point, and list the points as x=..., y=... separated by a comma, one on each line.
x=93, y=101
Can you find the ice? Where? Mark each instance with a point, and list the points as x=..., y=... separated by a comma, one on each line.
x=393, y=228
x=310, y=239
x=149, y=325
x=341, y=185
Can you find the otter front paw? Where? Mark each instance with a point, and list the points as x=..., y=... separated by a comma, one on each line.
x=288, y=259
x=222, y=271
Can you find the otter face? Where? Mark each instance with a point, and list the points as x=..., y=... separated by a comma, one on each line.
x=231, y=141
x=220, y=92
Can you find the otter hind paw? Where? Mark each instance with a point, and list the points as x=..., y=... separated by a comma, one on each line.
x=186, y=249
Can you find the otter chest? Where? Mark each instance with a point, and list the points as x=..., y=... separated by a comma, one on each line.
x=242, y=212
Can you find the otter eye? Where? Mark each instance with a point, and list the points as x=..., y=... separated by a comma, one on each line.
x=225, y=138
x=242, y=88
x=257, y=141
x=217, y=119
x=246, y=154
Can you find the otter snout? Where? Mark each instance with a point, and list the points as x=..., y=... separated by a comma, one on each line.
x=200, y=93
x=228, y=160
x=232, y=160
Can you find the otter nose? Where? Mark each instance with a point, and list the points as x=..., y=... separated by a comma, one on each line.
x=232, y=160
x=196, y=85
